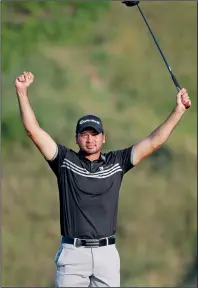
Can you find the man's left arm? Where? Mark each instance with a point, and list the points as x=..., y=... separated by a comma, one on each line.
x=154, y=141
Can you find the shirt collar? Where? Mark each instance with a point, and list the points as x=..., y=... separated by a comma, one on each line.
x=102, y=156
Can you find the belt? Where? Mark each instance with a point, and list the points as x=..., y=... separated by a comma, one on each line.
x=89, y=243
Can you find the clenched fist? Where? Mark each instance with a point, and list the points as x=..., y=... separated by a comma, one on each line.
x=183, y=100
x=24, y=80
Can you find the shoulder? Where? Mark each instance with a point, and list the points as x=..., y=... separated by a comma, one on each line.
x=110, y=155
x=124, y=157
x=118, y=152
x=71, y=155
x=69, y=152
x=62, y=152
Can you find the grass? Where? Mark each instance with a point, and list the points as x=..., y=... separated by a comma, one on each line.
x=113, y=70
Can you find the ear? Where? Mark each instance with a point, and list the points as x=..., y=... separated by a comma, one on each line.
x=76, y=139
x=104, y=139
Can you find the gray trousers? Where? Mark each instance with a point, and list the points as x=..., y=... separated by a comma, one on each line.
x=87, y=267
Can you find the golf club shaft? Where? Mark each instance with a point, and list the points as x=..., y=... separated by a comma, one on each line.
x=162, y=54
x=168, y=66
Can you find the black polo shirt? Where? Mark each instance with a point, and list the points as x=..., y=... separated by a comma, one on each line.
x=89, y=191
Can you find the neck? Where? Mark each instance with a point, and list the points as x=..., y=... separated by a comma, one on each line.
x=93, y=157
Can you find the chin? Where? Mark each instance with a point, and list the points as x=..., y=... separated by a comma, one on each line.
x=91, y=151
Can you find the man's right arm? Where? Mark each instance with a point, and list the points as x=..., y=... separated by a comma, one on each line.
x=46, y=145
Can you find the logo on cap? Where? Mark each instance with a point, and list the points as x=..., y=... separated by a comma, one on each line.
x=88, y=120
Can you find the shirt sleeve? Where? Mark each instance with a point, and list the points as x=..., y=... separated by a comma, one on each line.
x=56, y=162
x=125, y=158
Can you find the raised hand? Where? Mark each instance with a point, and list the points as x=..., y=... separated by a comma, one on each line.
x=183, y=100
x=24, y=80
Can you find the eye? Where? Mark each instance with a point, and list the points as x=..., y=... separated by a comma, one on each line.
x=82, y=134
x=94, y=133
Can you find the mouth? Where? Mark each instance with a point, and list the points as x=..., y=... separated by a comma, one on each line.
x=90, y=146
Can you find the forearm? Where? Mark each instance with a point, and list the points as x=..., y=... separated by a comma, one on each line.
x=162, y=133
x=151, y=143
x=26, y=112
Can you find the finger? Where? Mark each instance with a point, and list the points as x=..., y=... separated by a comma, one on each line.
x=21, y=78
x=25, y=74
x=185, y=96
x=183, y=91
x=186, y=101
x=187, y=104
x=28, y=75
x=31, y=75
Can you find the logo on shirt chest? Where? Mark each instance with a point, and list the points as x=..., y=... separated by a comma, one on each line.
x=106, y=167
x=101, y=168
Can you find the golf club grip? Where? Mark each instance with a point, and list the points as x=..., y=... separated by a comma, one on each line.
x=178, y=88
x=175, y=82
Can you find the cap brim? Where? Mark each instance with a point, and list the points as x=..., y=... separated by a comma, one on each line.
x=95, y=128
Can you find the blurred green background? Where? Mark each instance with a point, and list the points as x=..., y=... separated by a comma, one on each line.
x=98, y=57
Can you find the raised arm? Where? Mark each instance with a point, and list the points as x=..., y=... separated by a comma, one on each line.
x=154, y=141
x=40, y=138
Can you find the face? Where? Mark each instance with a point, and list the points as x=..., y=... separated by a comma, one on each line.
x=90, y=141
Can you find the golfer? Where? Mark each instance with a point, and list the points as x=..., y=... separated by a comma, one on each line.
x=89, y=182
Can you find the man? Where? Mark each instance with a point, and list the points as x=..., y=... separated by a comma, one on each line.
x=89, y=183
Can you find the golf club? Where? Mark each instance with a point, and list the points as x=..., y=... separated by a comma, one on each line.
x=135, y=3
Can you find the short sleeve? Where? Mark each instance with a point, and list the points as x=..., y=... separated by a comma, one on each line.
x=125, y=158
x=56, y=162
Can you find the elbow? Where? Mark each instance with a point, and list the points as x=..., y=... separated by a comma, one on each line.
x=156, y=143
x=157, y=146
x=31, y=133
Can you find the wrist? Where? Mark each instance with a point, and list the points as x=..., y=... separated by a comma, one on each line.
x=179, y=109
x=23, y=92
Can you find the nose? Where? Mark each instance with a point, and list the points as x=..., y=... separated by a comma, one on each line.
x=89, y=138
